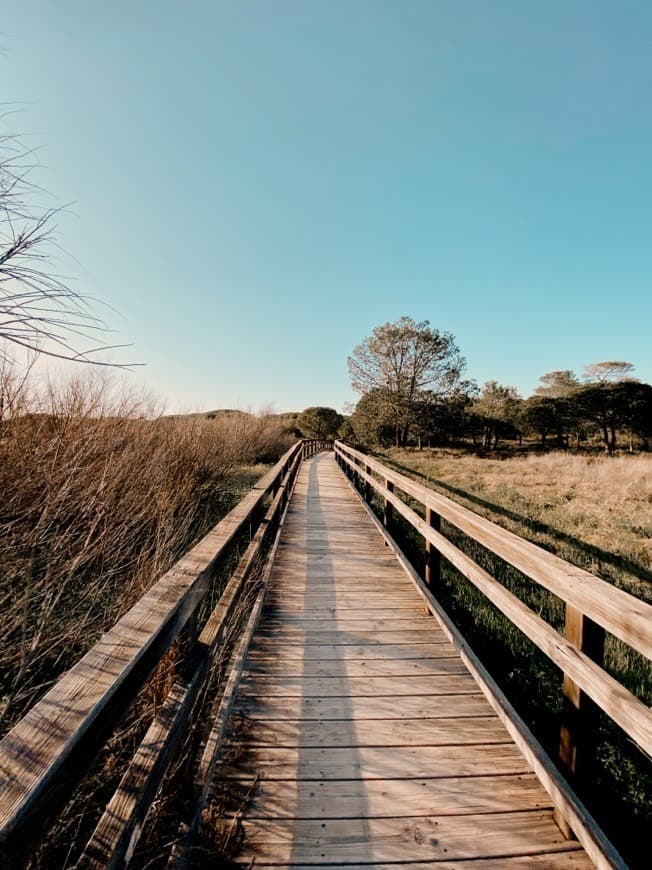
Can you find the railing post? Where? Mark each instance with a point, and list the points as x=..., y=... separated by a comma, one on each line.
x=367, y=487
x=387, y=511
x=577, y=719
x=433, y=557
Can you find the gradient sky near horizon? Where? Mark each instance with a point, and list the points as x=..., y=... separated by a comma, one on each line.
x=256, y=185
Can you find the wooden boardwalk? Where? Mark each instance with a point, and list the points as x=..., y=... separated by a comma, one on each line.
x=358, y=737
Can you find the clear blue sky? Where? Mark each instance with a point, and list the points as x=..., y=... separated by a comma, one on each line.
x=258, y=184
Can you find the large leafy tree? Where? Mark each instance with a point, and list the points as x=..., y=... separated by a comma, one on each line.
x=403, y=360
x=616, y=406
x=551, y=410
x=373, y=420
x=318, y=422
x=557, y=384
x=608, y=372
x=499, y=406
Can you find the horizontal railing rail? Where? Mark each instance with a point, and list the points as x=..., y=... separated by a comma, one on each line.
x=47, y=752
x=592, y=604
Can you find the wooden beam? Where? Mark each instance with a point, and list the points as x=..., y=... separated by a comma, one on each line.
x=433, y=557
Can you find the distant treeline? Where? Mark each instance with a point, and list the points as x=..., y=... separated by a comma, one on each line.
x=564, y=411
x=410, y=377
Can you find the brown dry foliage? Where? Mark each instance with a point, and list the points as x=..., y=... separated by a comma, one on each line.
x=98, y=497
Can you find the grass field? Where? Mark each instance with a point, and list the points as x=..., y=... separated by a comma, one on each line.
x=595, y=512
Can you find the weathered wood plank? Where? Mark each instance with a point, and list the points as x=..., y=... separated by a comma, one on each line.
x=343, y=623
x=289, y=667
x=349, y=652
x=344, y=686
x=571, y=860
x=288, y=634
x=289, y=609
x=321, y=709
x=384, y=798
x=288, y=733
x=371, y=762
x=389, y=839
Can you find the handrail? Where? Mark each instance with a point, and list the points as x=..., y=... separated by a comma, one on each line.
x=623, y=615
x=589, y=600
x=47, y=752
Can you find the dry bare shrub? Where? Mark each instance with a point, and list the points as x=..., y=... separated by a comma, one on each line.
x=99, y=495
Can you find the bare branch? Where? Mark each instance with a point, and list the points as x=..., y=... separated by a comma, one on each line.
x=39, y=310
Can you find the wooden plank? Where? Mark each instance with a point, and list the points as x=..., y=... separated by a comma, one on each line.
x=413, y=838
x=315, y=600
x=625, y=616
x=461, y=731
x=289, y=667
x=262, y=648
x=287, y=634
x=343, y=686
x=389, y=798
x=371, y=762
x=280, y=608
x=342, y=623
x=571, y=860
x=322, y=709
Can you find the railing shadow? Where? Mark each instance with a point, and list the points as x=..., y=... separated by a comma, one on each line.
x=614, y=559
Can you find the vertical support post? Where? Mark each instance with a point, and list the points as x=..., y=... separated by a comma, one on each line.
x=387, y=512
x=367, y=488
x=433, y=556
x=578, y=710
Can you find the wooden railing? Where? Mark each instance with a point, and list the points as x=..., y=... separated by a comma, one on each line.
x=593, y=606
x=311, y=446
x=47, y=753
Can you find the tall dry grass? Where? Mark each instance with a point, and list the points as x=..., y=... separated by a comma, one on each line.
x=594, y=510
x=99, y=495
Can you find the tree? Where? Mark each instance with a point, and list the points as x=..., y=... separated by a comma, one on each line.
x=557, y=384
x=373, y=420
x=440, y=419
x=613, y=406
x=38, y=311
x=319, y=422
x=608, y=372
x=402, y=360
x=551, y=408
x=499, y=407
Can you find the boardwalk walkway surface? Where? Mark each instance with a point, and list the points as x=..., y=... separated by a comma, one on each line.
x=358, y=737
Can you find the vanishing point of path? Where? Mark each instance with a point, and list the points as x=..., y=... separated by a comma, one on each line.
x=358, y=737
